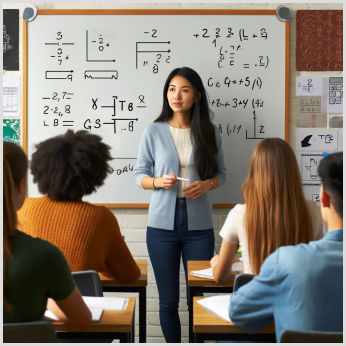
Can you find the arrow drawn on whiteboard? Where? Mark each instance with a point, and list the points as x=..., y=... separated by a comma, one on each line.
x=100, y=74
x=151, y=47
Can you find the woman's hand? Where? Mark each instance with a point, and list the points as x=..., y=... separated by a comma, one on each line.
x=197, y=189
x=166, y=182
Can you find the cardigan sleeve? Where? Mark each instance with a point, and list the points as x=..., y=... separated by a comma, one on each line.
x=145, y=160
x=221, y=174
x=119, y=261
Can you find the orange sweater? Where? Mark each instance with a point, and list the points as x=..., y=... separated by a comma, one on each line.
x=88, y=235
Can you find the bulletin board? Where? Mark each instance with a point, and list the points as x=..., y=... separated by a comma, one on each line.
x=104, y=71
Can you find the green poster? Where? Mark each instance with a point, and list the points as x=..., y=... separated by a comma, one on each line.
x=11, y=130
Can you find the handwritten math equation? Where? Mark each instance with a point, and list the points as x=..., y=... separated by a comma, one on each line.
x=154, y=50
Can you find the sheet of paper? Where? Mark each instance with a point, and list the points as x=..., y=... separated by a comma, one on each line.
x=334, y=94
x=208, y=273
x=106, y=303
x=217, y=305
x=310, y=146
x=309, y=86
x=11, y=94
x=96, y=314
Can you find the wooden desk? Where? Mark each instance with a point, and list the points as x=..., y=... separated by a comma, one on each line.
x=113, y=325
x=139, y=286
x=207, y=326
x=202, y=285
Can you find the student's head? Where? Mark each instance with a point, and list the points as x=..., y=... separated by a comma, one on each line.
x=330, y=172
x=276, y=212
x=195, y=97
x=69, y=166
x=18, y=164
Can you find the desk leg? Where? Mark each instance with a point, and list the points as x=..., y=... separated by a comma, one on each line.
x=133, y=328
x=143, y=314
x=125, y=338
x=191, y=334
x=198, y=338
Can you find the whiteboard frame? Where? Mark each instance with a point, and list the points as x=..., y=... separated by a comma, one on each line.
x=149, y=12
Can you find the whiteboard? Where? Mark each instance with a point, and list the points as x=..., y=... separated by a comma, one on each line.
x=104, y=71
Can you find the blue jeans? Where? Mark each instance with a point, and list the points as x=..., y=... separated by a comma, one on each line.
x=165, y=248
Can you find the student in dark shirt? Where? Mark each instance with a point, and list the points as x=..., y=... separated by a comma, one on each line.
x=35, y=271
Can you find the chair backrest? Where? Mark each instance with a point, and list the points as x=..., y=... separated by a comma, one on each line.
x=241, y=279
x=37, y=331
x=89, y=283
x=290, y=335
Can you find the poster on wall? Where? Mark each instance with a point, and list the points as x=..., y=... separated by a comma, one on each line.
x=11, y=130
x=311, y=146
x=10, y=39
x=11, y=94
x=319, y=40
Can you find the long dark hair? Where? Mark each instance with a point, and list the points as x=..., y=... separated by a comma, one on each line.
x=202, y=129
x=10, y=223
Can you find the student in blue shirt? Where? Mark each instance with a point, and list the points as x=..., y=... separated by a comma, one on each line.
x=301, y=286
x=181, y=143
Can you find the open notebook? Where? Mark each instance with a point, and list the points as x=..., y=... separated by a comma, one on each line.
x=217, y=305
x=208, y=273
x=96, y=305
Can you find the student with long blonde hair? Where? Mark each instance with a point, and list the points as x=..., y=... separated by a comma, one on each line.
x=275, y=212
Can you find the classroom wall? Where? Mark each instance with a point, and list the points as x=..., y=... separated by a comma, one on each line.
x=133, y=221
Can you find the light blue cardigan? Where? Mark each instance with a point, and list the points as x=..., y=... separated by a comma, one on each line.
x=157, y=156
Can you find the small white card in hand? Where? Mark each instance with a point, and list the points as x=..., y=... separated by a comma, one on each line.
x=217, y=305
x=208, y=273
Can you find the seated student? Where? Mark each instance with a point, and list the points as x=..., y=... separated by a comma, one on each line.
x=66, y=168
x=34, y=269
x=275, y=212
x=301, y=286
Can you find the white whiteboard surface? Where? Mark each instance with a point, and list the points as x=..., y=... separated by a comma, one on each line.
x=106, y=73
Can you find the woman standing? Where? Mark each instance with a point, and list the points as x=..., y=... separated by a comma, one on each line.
x=275, y=212
x=181, y=143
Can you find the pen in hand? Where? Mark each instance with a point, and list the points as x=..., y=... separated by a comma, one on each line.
x=178, y=178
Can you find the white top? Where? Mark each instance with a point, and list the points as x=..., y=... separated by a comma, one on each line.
x=233, y=230
x=183, y=146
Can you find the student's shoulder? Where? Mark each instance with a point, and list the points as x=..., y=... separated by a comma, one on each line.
x=237, y=211
x=291, y=256
x=36, y=246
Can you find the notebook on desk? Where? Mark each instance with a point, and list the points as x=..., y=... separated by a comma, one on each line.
x=96, y=314
x=96, y=306
x=217, y=305
x=208, y=273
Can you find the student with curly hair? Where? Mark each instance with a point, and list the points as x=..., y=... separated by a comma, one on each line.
x=32, y=263
x=66, y=168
